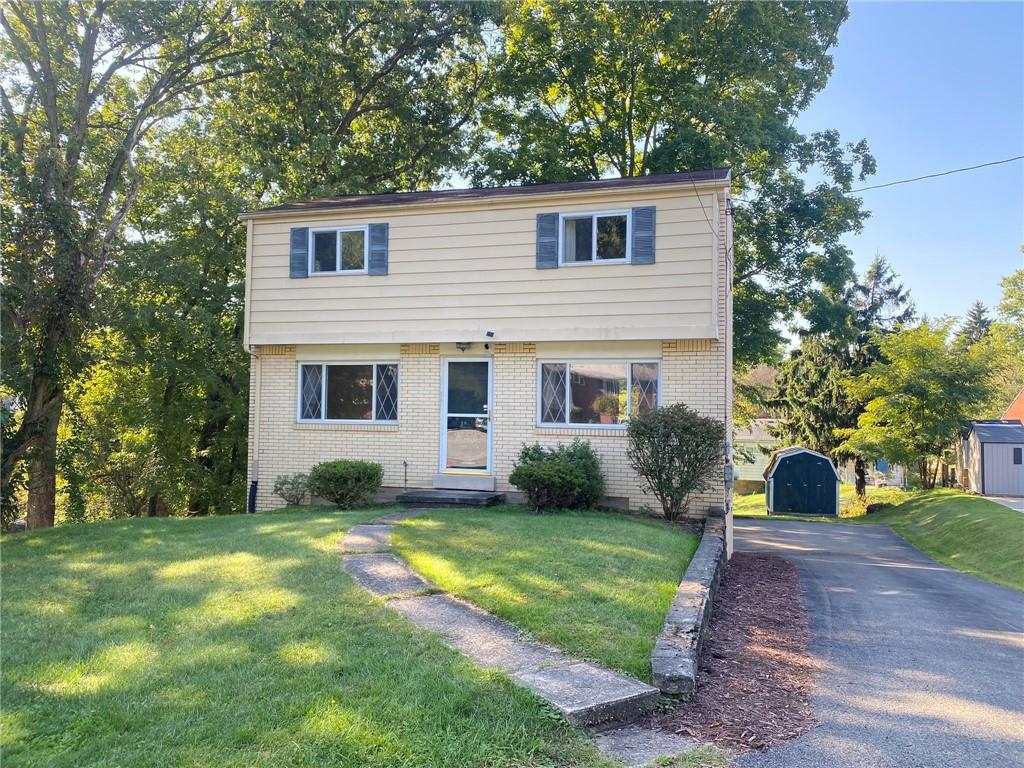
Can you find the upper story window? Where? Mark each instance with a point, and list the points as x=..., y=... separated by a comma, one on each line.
x=595, y=237
x=348, y=392
x=338, y=250
x=596, y=393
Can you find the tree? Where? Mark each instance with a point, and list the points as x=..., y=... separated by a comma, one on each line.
x=675, y=451
x=881, y=305
x=587, y=90
x=84, y=84
x=813, y=401
x=918, y=396
x=976, y=325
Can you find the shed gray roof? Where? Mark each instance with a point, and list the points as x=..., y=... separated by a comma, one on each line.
x=998, y=431
x=721, y=175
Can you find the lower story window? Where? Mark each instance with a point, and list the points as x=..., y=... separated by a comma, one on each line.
x=599, y=393
x=348, y=392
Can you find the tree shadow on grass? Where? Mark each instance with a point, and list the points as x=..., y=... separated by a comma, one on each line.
x=238, y=641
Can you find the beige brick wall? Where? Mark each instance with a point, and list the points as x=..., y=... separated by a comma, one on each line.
x=691, y=372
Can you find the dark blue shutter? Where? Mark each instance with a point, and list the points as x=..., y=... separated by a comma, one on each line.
x=299, y=258
x=643, y=235
x=547, y=241
x=378, y=250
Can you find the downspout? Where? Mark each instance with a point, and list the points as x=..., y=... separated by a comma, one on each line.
x=255, y=378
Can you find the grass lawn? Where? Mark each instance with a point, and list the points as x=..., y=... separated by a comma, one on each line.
x=967, y=532
x=239, y=641
x=596, y=585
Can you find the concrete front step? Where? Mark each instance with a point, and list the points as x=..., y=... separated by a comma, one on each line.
x=438, y=497
x=457, y=482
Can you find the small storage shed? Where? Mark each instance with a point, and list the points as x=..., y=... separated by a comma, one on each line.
x=802, y=482
x=994, y=457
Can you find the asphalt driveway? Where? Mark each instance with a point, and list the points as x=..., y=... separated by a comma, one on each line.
x=923, y=665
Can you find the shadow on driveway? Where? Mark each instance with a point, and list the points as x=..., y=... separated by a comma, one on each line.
x=924, y=665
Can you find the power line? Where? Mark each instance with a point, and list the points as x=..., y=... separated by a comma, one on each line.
x=940, y=173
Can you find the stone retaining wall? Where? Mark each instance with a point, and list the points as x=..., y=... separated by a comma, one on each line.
x=676, y=655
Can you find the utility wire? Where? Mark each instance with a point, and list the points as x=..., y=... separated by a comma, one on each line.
x=940, y=173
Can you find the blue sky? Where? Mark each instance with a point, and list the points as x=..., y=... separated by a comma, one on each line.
x=935, y=86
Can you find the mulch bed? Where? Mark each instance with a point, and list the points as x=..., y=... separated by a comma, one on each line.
x=756, y=671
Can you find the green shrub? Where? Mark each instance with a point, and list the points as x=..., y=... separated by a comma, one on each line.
x=346, y=483
x=292, y=488
x=675, y=451
x=565, y=477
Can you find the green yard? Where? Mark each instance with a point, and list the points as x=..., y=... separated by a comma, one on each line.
x=595, y=584
x=239, y=641
x=753, y=504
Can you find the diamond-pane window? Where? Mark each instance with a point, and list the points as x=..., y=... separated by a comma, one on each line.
x=645, y=388
x=387, y=393
x=552, y=388
x=312, y=380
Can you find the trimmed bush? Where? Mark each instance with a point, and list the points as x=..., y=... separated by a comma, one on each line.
x=292, y=488
x=675, y=450
x=566, y=477
x=346, y=483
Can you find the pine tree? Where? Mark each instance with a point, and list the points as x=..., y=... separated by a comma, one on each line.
x=975, y=326
x=881, y=305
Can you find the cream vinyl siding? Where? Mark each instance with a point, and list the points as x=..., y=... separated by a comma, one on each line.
x=459, y=269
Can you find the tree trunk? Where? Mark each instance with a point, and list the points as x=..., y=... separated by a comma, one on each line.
x=922, y=472
x=861, y=481
x=42, y=469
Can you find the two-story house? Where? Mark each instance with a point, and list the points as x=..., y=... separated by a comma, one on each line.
x=437, y=332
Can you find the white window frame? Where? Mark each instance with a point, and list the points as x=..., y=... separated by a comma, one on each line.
x=594, y=216
x=323, y=392
x=568, y=363
x=364, y=228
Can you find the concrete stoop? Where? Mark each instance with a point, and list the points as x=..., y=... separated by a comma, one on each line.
x=587, y=695
x=449, y=497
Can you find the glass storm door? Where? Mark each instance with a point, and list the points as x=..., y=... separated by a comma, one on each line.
x=466, y=437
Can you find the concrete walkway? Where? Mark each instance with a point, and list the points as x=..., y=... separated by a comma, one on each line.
x=923, y=665
x=1013, y=502
x=585, y=693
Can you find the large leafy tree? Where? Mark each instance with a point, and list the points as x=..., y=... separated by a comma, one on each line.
x=83, y=84
x=586, y=90
x=917, y=397
x=355, y=96
x=309, y=116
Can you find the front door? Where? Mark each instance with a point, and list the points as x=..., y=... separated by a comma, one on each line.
x=466, y=416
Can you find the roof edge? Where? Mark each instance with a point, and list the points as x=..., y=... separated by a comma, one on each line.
x=715, y=177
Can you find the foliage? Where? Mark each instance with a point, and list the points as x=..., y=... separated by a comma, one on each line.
x=117, y=634
x=84, y=83
x=590, y=90
x=675, y=451
x=812, y=399
x=880, y=305
x=292, y=488
x=976, y=325
x=563, y=477
x=597, y=585
x=346, y=483
x=917, y=397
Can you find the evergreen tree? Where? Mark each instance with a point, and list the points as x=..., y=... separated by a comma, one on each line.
x=881, y=305
x=975, y=326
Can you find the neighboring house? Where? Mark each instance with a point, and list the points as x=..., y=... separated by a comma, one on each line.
x=753, y=446
x=877, y=473
x=1015, y=411
x=994, y=458
x=438, y=332
x=801, y=481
